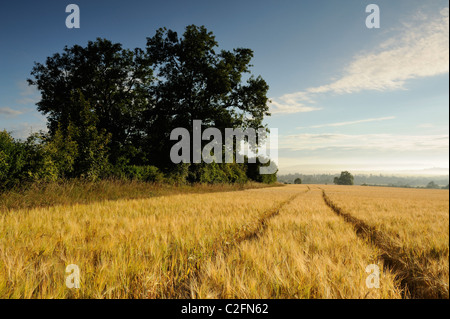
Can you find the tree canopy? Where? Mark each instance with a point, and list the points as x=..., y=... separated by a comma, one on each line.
x=345, y=179
x=114, y=81
x=140, y=95
x=193, y=81
x=111, y=110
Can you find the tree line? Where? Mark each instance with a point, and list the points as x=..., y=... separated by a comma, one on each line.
x=368, y=179
x=110, y=110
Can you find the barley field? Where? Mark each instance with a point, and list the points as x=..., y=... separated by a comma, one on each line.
x=296, y=241
x=413, y=222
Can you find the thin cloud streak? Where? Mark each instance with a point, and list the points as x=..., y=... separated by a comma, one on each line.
x=7, y=111
x=329, y=143
x=29, y=94
x=351, y=122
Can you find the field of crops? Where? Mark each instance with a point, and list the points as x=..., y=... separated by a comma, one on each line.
x=297, y=241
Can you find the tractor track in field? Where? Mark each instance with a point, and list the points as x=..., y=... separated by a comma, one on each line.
x=223, y=246
x=415, y=282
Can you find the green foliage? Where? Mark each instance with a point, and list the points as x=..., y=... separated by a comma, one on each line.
x=178, y=174
x=197, y=82
x=79, y=150
x=39, y=163
x=345, y=179
x=193, y=82
x=92, y=143
x=24, y=161
x=253, y=172
x=298, y=180
x=12, y=161
x=268, y=178
x=236, y=173
x=114, y=80
x=146, y=173
x=217, y=173
x=108, y=116
x=63, y=151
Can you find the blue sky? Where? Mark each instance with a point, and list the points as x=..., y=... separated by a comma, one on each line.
x=343, y=96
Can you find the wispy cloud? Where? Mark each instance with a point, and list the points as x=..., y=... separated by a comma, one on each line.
x=351, y=122
x=29, y=94
x=7, y=111
x=294, y=103
x=361, y=142
x=282, y=107
x=420, y=49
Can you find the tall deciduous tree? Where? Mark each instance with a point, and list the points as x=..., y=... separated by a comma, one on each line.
x=113, y=80
x=196, y=82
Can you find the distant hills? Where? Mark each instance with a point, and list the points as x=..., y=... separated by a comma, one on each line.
x=369, y=179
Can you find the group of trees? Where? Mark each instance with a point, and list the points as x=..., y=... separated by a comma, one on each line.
x=433, y=185
x=370, y=179
x=346, y=178
x=111, y=110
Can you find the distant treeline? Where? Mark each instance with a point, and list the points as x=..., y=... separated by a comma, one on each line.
x=378, y=180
